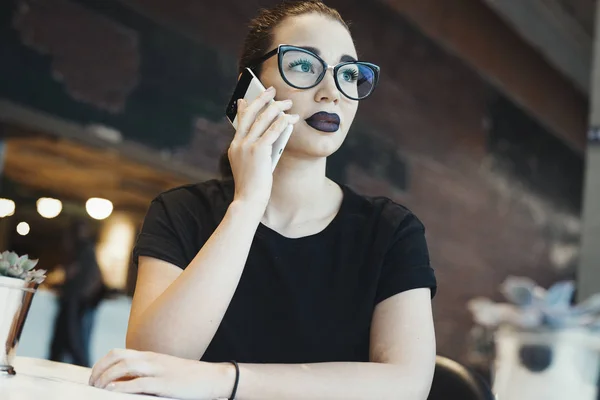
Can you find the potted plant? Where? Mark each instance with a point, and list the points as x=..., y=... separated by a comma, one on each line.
x=18, y=283
x=545, y=347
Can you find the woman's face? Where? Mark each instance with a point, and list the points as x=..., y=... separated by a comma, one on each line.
x=314, y=137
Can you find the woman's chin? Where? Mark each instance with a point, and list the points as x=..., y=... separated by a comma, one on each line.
x=310, y=153
x=315, y=145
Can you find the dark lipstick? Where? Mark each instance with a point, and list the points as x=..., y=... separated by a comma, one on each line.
x=323, y=121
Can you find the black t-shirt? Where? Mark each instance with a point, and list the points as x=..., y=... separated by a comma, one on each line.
x=302, y=300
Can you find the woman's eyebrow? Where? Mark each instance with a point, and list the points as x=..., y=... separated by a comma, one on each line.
x=343, y=58
x=311, y=49
x=346, y=58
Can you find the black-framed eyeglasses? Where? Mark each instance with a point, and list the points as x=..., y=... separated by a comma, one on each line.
x=302, y=69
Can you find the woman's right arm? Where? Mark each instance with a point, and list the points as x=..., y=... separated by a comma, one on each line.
x=178, y=313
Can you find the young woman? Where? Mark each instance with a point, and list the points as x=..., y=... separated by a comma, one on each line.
x=283, y=285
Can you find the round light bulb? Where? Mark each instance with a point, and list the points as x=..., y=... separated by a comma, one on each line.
x=48, y=208
x=7, y=208
x=23, y=228
x=99, y=208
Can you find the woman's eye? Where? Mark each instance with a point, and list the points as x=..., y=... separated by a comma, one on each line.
x=301, y=66
x=350, y=75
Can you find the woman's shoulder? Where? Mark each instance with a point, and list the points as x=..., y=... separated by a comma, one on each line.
x=383, y=210
x=213, y=193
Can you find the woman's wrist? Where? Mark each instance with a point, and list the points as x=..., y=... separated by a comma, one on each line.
x=225, y=379
x=251, y=212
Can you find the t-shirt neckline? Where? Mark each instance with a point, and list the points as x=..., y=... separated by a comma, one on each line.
x=264, y=231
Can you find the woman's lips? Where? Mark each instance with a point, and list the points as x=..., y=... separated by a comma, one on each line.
x=324, y=122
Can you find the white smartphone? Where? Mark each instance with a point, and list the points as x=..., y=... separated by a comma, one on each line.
x=249, y=88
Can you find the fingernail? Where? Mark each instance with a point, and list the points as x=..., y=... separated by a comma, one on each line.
x=110, y=386
x=287, y=102
x=271, y=89
x=295, y=118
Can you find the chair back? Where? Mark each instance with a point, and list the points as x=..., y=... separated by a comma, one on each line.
x=452, y=380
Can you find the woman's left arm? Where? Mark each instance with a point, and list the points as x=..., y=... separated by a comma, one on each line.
x=402, y=361
x=401, y=366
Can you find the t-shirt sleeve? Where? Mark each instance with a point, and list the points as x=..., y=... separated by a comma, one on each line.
x=158, y=237
x=406, y=265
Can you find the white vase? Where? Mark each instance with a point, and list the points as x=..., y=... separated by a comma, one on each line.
x=548, y=365
x=15, y=300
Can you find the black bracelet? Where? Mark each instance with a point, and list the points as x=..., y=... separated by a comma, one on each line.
x=237, y=379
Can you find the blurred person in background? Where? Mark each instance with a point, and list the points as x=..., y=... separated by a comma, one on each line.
x=282, y=285
x=80, y=295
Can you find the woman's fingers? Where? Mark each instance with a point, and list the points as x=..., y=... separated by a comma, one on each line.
x=264, y=120
x=277, y=128
x=119, y=363
x=127, y=369
x=112, y=357
x=146, y=385
x=248, y=113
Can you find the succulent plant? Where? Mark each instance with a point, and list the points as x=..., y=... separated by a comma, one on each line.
x=11, y=265
x=533, y=307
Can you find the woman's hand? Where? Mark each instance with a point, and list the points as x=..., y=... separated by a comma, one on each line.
x=259, y=126
x=131, y=371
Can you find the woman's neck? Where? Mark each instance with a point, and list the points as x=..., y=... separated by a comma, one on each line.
x=301, y=192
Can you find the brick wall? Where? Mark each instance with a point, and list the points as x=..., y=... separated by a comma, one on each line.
x=433, y=118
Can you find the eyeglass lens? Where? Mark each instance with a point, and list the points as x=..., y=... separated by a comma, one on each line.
x=303, y=70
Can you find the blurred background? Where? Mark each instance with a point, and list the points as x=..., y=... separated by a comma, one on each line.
x=482, y=124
